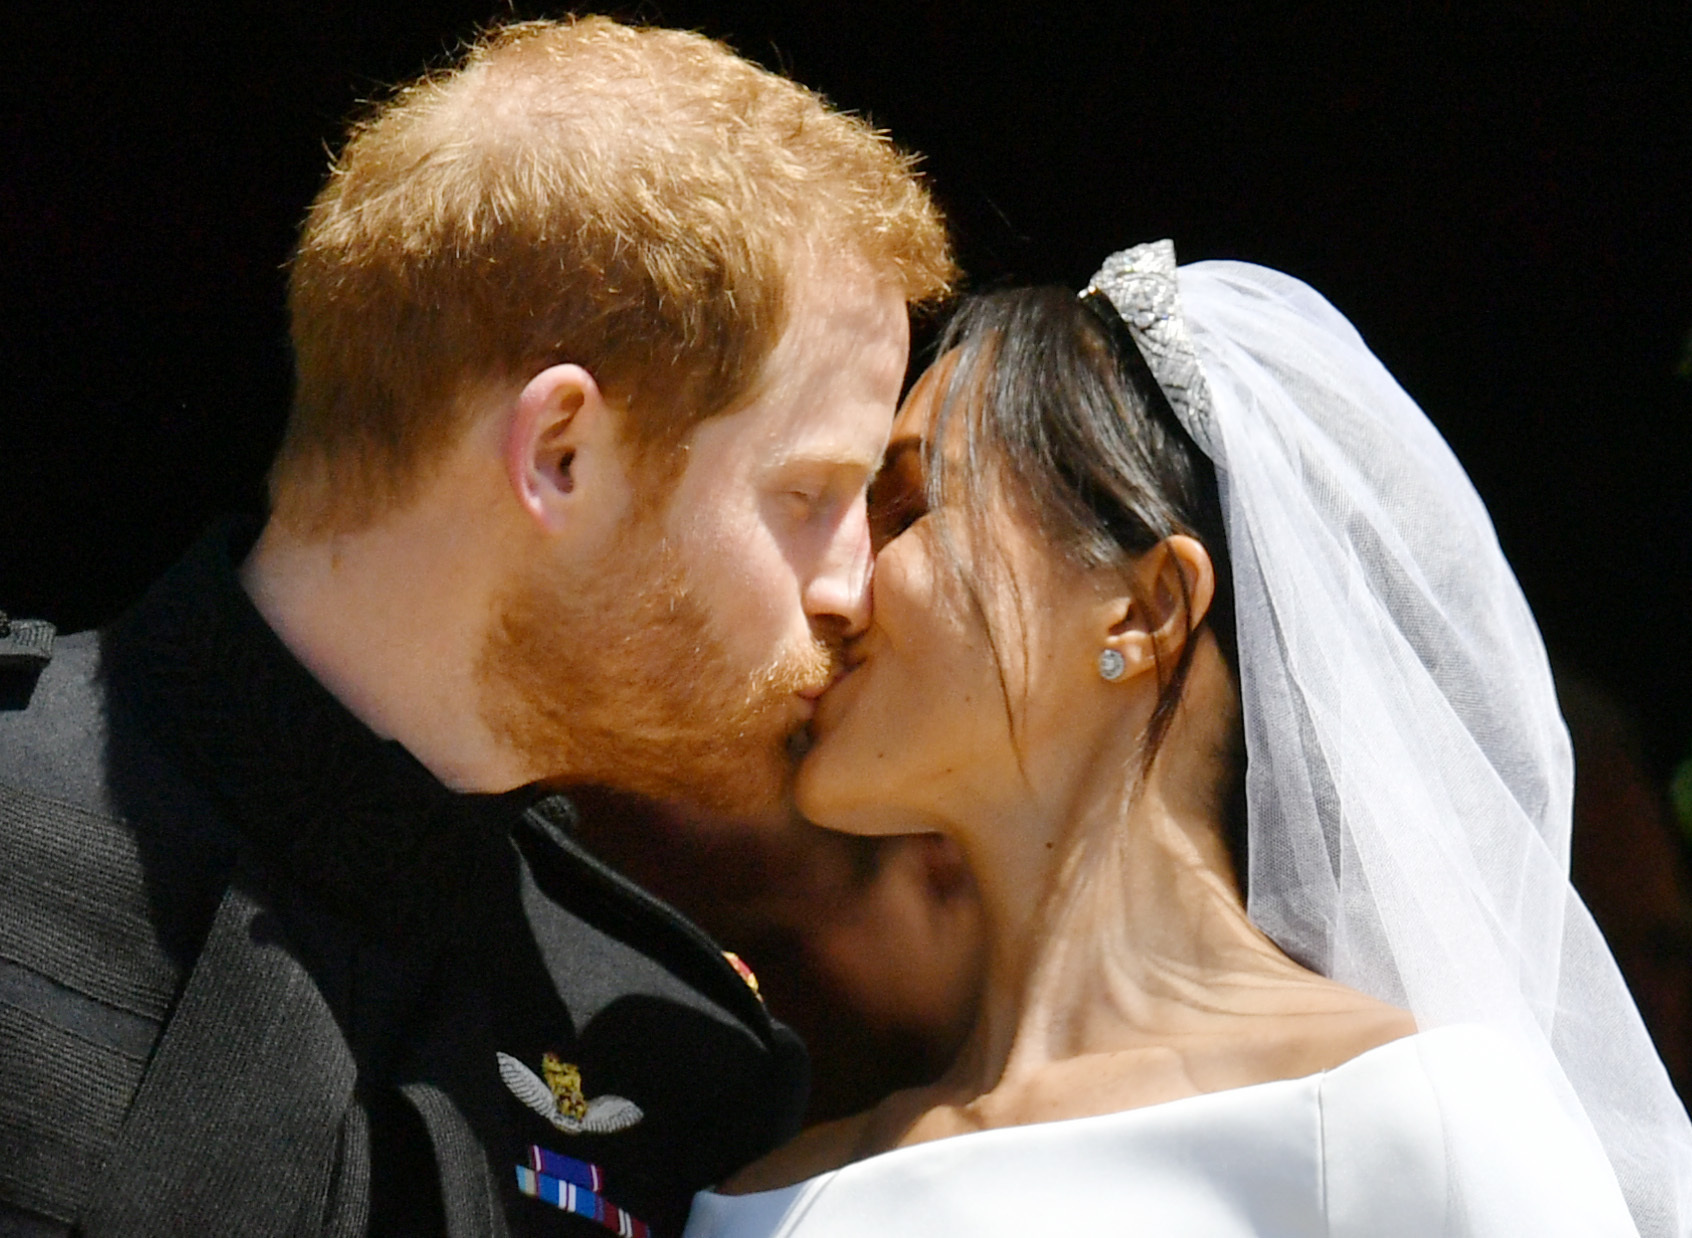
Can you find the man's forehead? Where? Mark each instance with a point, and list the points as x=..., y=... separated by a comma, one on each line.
x=837, y=316
x=833, y=380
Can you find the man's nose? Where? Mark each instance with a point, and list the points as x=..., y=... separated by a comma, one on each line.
x=837, y=597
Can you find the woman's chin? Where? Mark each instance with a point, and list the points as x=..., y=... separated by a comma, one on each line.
x=833, y=791
x=817, y=791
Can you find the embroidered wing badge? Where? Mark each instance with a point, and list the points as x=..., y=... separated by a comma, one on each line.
x=556, y=1094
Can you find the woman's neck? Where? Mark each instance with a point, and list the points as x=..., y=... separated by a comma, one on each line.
x=1112, y=917
x=1137, y=939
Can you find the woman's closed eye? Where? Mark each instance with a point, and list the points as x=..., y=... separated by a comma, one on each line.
x=898, y=497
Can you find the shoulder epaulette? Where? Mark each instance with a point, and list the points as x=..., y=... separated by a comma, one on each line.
x=25, y=644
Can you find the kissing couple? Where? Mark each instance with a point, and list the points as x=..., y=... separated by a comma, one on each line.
x=1159, y=600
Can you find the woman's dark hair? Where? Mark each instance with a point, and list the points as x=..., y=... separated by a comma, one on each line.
x=1047, y=401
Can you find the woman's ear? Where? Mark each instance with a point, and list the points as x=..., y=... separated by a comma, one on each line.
x=1173, y=585
x=562, y=446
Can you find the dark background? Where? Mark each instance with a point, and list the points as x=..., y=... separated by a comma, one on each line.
x=1495, y=195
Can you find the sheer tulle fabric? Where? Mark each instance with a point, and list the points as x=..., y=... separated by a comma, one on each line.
x=1409, y=776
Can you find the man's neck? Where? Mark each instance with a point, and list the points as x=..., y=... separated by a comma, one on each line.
x=389, y=620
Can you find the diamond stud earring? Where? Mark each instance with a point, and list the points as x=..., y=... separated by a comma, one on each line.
x=1111, y=664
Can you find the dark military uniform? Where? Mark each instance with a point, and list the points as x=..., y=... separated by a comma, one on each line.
x=261, y=973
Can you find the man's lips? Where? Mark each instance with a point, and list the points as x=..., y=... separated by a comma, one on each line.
x=815, y=692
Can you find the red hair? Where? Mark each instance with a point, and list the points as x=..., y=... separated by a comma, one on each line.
x=633, y=200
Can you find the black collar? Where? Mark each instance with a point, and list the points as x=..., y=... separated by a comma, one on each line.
x=353, y=819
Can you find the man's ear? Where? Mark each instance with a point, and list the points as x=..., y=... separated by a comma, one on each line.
x=1174, y=584
x=563, y=446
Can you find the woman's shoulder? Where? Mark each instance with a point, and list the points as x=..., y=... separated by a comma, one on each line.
x=814, y=1151
x=1338, y=1026
x=1292, y=1028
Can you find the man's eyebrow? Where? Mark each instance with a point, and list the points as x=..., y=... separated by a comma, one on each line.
x=823, y=458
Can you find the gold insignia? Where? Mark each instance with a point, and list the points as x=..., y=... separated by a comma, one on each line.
x=565, y=1081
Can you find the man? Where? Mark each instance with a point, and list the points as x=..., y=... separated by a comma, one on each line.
x=597, y=339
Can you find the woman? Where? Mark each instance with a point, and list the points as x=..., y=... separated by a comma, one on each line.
x=1133, y=538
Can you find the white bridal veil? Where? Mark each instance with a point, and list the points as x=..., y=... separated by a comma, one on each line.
x=1410, y=779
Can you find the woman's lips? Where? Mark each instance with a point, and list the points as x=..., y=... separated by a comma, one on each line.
x=826, y=704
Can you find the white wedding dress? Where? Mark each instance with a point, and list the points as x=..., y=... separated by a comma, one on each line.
x=1360, y=1151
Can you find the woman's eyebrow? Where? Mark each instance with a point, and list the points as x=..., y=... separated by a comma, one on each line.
x=898, y=450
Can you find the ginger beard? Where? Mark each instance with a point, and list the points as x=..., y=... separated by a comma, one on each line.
x=621, y=679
